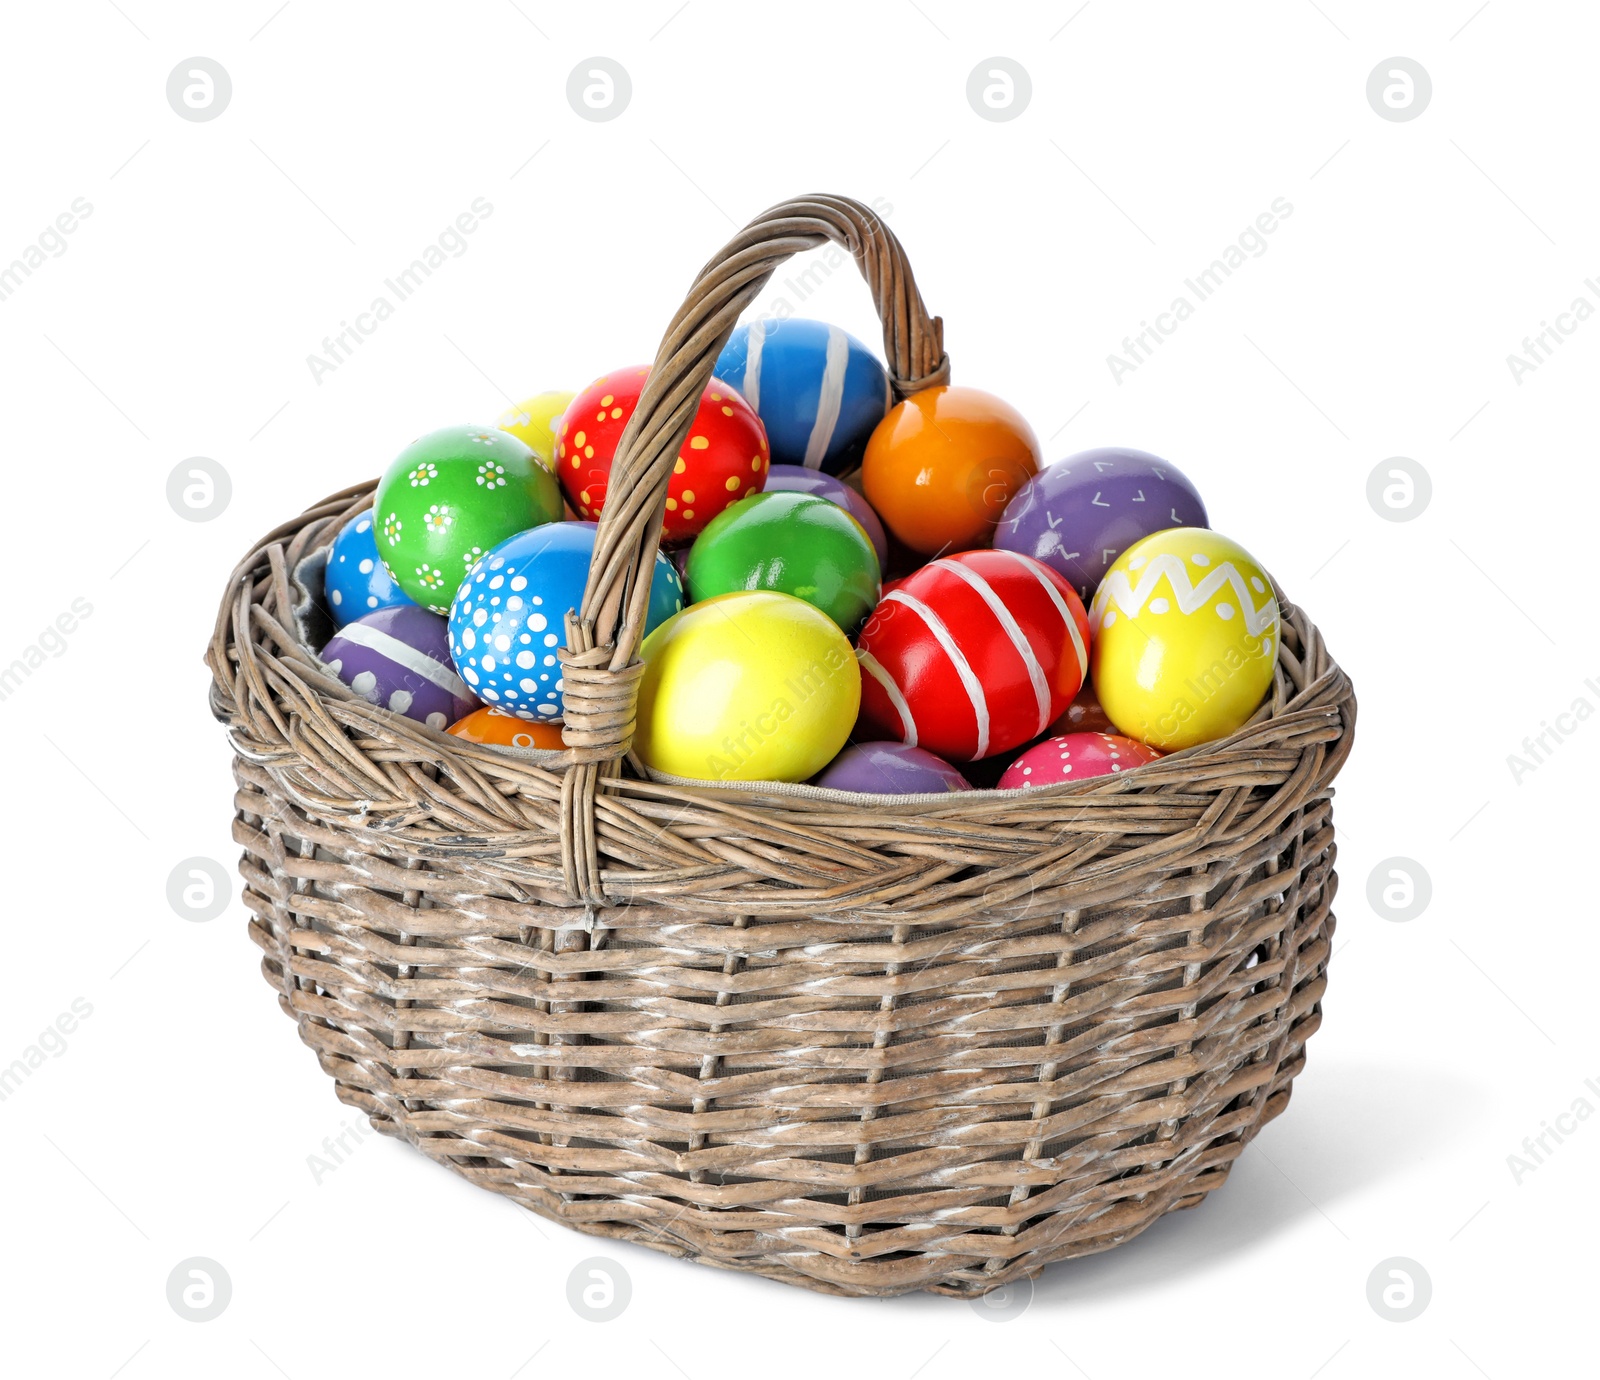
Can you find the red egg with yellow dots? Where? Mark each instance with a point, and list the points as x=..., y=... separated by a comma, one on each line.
x=724, y=457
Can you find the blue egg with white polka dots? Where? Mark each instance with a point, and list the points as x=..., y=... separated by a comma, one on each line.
x=819, y=390
x=509, y=618
x=356, y=581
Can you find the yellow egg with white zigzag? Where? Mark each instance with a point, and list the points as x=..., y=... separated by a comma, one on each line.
x=1185, y=638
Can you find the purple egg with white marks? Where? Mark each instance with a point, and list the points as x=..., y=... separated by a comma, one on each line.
x=799, y=479
x=399, y=659
x=1079, y=514
x=890, y=769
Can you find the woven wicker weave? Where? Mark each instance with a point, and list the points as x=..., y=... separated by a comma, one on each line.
x=859, y=1045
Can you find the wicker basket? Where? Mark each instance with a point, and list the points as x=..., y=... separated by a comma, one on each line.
x=861, y=1044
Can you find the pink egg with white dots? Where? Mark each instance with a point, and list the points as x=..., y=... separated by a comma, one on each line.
x=1075, y=757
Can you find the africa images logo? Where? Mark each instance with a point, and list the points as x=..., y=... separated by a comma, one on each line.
x=1251, y=243
x=450, y=243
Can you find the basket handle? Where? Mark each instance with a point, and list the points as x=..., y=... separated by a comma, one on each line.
x=599, y=669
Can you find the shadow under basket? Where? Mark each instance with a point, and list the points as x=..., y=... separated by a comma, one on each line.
x=860, y=1045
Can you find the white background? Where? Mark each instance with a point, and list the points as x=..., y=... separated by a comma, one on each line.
x=179, y=1119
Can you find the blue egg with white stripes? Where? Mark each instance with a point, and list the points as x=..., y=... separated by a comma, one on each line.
x=818, y=390
x=509, y=618
x=356, y=581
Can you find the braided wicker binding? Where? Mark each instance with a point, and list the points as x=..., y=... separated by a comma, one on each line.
x=861, y=1045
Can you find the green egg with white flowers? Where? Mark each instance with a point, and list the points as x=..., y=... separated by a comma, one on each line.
x=449, y=497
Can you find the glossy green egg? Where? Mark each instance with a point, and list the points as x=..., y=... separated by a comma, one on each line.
x=452, y=495
x=792, y=543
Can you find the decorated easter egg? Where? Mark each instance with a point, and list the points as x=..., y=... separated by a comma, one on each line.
x=1185, y=627
x=509, y=618
x=1079, y=514
x=492, y=725
x=819, y=391
x=399, y=658
x=449, y=497
x=890, y=769
x=973, y=654
x=941, y=467
x=532, y=421
x=798, y=479
x=753, y=686
x=797, y=544
x=356, y=580
x=723, y=458
x=1075, y=757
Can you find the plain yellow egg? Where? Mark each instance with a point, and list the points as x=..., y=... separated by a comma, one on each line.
x=749, y=686
x=1184, y=628
x=533, y=422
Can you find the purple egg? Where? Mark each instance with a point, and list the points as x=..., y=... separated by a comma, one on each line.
x=890, y=769
x=1079, y=514
x=862, y=512
x=801, y=480
x=399, y=658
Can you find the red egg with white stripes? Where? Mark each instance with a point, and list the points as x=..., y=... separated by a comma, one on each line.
x=973, y=655
x=1075, y=757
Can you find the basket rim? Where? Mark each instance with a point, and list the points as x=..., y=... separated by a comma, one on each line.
x=1293, y=749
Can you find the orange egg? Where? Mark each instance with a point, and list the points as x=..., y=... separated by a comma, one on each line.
x=499, y=729
x=941, y=467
